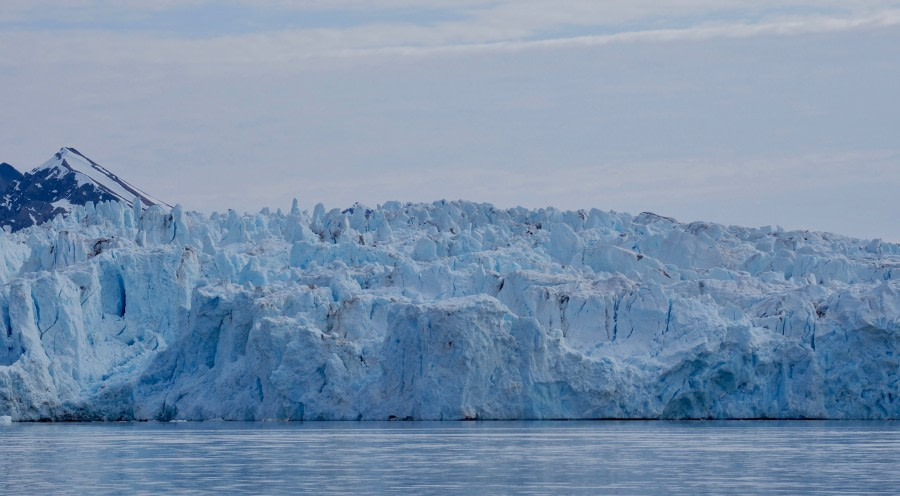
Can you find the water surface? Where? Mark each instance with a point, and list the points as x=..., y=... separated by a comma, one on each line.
x=452, y=458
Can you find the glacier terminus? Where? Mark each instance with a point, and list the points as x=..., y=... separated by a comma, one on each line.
x=122, y=310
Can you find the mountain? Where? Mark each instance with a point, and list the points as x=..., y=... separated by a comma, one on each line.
x=448, y=310
x=8, y=175
x=68, y=178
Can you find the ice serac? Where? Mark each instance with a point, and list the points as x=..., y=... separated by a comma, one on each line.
x=449, y=310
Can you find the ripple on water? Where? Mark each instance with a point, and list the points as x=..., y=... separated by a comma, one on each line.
x=470, y=457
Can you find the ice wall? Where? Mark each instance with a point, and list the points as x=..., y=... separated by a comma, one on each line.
x=449, y=310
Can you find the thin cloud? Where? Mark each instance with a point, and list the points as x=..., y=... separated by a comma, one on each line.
x=381, y=40
x=784, y=27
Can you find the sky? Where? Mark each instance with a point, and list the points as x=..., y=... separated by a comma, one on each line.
x=778, y=113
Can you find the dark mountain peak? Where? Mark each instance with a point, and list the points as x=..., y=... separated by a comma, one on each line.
x=68, y=178
x=8, y=176
x=8, y=171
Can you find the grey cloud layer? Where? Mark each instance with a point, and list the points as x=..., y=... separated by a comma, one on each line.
x=295, y=46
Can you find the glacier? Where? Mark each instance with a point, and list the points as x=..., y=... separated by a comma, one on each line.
x=441, y=311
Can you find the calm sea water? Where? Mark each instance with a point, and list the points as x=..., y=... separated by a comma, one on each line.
x=452, y=458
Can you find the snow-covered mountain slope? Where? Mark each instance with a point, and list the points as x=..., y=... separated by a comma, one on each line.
x=68, y=178
x=449, y=310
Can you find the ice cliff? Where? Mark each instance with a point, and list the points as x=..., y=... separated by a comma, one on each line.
x=450, y=310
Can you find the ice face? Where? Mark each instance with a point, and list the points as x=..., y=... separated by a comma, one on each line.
x=450, y=310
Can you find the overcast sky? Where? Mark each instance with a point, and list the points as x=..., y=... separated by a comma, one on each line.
x=786, y=112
